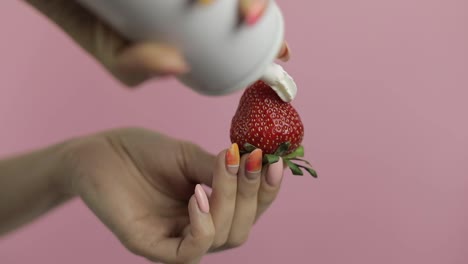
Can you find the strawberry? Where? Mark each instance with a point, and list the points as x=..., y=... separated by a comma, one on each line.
x=264, y=121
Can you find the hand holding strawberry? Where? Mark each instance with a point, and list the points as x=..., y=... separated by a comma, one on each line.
x=264, y=121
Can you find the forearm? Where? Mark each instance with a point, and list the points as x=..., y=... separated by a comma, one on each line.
x=30, y=185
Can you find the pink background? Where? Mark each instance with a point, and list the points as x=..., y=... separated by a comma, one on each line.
x=383, y=95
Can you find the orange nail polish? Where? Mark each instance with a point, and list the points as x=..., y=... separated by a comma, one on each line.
x=205, y=2
x=253, y=166
x=233, y=159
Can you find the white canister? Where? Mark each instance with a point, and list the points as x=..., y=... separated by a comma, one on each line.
x=223, y=53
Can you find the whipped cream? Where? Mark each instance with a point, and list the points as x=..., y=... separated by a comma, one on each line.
x=280, y=81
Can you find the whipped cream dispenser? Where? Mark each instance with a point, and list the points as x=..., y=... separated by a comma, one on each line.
x=224, y=54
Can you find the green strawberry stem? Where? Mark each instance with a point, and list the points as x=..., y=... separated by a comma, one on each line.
x=295, y=156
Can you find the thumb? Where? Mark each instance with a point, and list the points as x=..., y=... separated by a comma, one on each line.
x=196, y=163
x=189, y=247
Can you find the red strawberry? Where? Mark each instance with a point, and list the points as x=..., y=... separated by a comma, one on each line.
x=264, y=121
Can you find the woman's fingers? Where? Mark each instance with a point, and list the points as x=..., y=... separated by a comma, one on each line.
x=141, y=61
x=206, y=2
x=135, y=64
x=246, y=203
x=199, y=238
x=270, y=186
x=235, y=213
x=223, y=195
x=285, y=52
x=252, y=10
x=191, y=246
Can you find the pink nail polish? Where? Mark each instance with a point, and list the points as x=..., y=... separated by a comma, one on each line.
x=202, y=199
x=255, y=12
x=275, y=173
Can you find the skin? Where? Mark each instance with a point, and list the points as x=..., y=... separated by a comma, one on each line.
x=139, y=183
x=131, y=63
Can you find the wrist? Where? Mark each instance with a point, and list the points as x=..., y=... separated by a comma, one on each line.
x=70, y=172
x=79, y=158
x=59, y=170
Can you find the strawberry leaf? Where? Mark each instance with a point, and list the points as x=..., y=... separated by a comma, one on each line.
x=312, y=172
x=270, y=159
x=299, y=152
x=294, y=168
x=303, y=160
x=309, y=170
x=282, y=149
x=249, y=147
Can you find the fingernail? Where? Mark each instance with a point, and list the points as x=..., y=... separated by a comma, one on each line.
x=207, y=190
x=253, y=165
x=233, y=159
x=285, y=53
x=275, y=173
x=205, y=2
x=202, y=199
x=175, y=66
x=255, y=11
